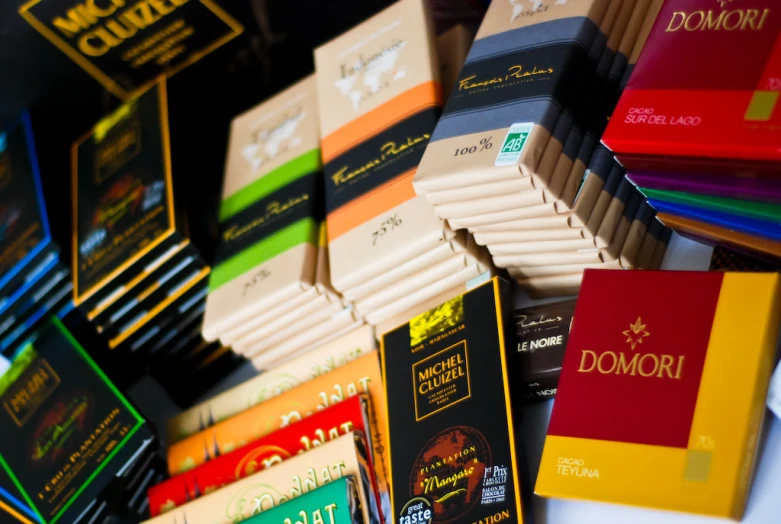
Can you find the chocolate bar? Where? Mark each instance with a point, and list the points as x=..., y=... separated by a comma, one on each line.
x=271, y=210
x=194, y=280
x=712, y=234
x=270, y=360
x=680, y=112
x=358, y=376
x=677, y=446
x=260, y=454
x=504, y=73
x=78, y=429
x=156, y=280
x=334, y=503
x=381, y=79
x=342, y=321
x=541, y=334
x=754, y=189
x=343, y=456
x=452, y=447
x=272, y=383
x=764, y=228
x=123, y=210
x=476, y=270
x=25, y=235
x=747, y=208
x=456, y=244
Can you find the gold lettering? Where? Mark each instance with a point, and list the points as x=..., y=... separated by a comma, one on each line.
x=762, y=20
x=124, y=25
x=713, y=24
x=666, y=364
x=585, y=353
x=670, y=28
x=653, y=359
x=103, y=36
x=736, y=19
x=751, y=15
x=679, y=369
x=83, y=16
x=330, y=510
x=689, y=18
x=441, y=373
x=160, y=7
x=627, y=368
x=121, y=31
x=434, y=482
x=612, y=367
x=647, y=365
x=727, y=18
x=78, y=18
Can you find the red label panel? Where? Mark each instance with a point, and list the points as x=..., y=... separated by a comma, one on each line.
x=635, y=355
x=723, y=48
x=692, y=124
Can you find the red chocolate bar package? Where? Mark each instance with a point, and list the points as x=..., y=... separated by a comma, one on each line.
x=332, y=422
x=704, y=92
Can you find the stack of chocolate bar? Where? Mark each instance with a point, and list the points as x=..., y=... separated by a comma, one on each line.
x=72, y=449
x=317, y=419
x=699, y=137
x=515, y=157
x=137, y=278
x=270, y=296
x=33, y=280
x=380, y=92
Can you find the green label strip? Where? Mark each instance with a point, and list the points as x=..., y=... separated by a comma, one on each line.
x=305, y=230
x=267, y=184
x=757, y=210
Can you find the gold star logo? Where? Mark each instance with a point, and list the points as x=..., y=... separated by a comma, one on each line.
x=636, y=333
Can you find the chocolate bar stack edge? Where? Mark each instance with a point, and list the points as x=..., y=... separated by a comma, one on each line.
x=387, y=249
x=700, y=141
x=72, y=446
x=515, y=158
x=34, y=282
x=270, y=295
x=137, y=278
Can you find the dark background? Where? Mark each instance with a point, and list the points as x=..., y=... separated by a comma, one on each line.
x=274, y=51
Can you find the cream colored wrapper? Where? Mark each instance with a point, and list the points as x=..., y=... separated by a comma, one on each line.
x=452, y=48
x=256, y=341
x=457, y=244
x=318, y=303
x=342, y=338
x=318, y=361
x=291, y=273
x=352, y=265
x=408, y=285
x=474, y=270
x=249, y=496
x=270, y=315
x=343, y=320
x=263, y=139
x=490, y=189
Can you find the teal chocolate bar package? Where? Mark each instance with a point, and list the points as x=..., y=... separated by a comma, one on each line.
x=333, y=503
